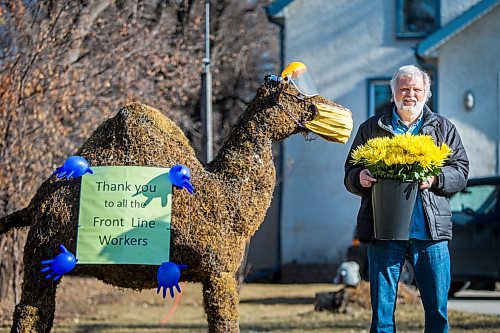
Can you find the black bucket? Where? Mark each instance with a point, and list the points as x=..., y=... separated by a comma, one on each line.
x=393, y=202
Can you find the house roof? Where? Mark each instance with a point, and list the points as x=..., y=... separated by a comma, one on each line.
x=277, y=6
x=456, y=26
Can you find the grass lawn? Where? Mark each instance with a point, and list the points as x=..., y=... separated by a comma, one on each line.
x=87, y=305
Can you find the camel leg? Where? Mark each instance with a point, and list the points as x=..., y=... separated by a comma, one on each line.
x=35, y=312
x=221, y=303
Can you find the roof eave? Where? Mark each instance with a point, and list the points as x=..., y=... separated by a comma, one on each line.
x=435, y=40
x=276, y=8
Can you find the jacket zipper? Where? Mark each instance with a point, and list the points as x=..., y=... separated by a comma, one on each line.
x=427, y=214
x=425, y=207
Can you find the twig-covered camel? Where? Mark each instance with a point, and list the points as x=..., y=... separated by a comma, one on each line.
x=209, y=229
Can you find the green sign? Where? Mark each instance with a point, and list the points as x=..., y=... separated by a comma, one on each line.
x=125, y=214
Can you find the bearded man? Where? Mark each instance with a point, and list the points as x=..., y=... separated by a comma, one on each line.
x=427, y=247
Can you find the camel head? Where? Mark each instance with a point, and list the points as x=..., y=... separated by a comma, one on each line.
x=289, y=104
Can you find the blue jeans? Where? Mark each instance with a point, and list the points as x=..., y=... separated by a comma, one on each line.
x=431, y=262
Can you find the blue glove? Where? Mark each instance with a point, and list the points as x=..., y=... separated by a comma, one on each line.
x=168, y=277
x=75, y=166
x=61, y=264
x=181, y=177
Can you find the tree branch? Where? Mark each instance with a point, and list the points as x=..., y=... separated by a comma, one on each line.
x=84, y=24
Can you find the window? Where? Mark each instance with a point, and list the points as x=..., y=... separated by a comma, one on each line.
x=474, y=201
x=479, y=199
x=416, y=18
x=379, y=95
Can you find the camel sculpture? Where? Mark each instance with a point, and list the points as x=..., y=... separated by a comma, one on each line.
x=209, y=229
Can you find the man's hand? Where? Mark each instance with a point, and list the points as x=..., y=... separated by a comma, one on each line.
x=428, y=183
x=366, y=178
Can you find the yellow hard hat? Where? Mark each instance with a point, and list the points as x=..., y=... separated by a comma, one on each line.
x=297, y=74
x=294, y=69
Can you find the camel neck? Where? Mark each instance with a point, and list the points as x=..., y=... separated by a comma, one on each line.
x=247, y=149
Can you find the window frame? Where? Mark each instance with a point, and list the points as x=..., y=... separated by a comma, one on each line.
x=400, y=17
x=371, y=83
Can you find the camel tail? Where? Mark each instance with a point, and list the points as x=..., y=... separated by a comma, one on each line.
x=14, y=220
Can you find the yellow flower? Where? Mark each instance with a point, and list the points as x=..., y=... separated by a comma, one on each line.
x=407, y=156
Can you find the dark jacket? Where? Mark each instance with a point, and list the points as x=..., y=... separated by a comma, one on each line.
x=452, y=179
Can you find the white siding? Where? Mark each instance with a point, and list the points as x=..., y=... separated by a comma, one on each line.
x=452, y=8
x=471, y=61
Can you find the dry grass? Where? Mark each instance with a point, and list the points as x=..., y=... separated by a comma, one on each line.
x=92, y=306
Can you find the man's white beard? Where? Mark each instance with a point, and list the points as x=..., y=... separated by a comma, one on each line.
x=408, y=110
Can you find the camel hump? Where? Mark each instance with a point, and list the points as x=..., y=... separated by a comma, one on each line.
x=138, y=135
x=147, y=115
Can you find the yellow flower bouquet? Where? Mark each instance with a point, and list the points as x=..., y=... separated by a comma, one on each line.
x=404, y=157
x=398, y=163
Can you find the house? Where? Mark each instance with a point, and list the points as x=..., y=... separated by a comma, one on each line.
x=352, y=48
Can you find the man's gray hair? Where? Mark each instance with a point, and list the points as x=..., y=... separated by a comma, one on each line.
x=411, y=71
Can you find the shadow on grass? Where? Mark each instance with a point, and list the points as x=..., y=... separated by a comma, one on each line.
x=493, y=325
x=149, y=328
x=475, y=298
x=334, y=326
x=279, y=300
x=116, y=328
